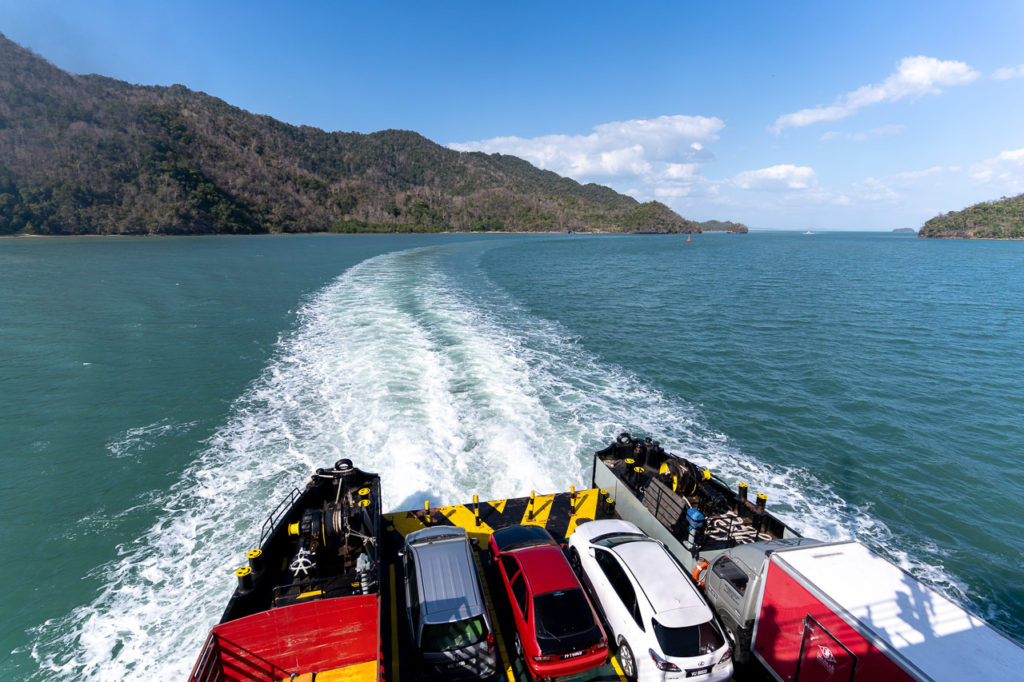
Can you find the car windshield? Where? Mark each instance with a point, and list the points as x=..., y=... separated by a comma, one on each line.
x=692, y=640
x=561, y=613
x=613, y=539
x=448, y=636
x=516, y=537
x=564, y=621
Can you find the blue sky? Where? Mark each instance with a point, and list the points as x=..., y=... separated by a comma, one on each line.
x=796, y=115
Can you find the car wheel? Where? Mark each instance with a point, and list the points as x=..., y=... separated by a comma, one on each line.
x=737, y=655
x=519, y=654
x=574, y=561
x=627, y=661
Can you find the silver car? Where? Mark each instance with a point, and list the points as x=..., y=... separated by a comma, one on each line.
x=448, y=617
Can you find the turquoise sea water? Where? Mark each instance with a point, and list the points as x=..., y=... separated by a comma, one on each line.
x=158, y=397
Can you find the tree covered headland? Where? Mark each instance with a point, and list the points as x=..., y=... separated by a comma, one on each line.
x=723, y=226
x=1002, y=219
x=93, y=155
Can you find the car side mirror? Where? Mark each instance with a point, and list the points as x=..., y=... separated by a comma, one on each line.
x=592, y=552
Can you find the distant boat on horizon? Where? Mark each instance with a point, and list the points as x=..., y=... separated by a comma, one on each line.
x=808, y=232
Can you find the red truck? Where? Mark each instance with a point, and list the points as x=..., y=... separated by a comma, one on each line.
x=808, y=610
x=817, y=612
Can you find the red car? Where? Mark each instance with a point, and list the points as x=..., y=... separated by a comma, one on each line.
x=557, y=630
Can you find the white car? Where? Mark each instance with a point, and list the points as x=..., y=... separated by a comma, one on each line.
x=662, y=625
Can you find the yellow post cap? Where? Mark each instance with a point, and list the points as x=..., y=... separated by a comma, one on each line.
x=243, y=571
x=364, y=491
x=293, y=530
x=253, y=553
x=707, y=474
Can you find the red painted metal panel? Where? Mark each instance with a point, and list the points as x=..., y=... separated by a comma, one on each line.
x=783, y=624
x=314, y=636
x=823, y=658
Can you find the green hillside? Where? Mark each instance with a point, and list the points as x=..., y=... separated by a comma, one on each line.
x=723, y=226
x=1002, y=219
x=93, y=155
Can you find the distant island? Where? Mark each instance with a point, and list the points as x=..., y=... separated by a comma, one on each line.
x=905, y=230
x=93, y=155
x=723, y=226
x=1002, y=219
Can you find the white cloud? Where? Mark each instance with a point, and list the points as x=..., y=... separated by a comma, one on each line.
x=1008, y=72
x=1004, y=172
x=780, y=178
x=897, y=186
x=667, y=192
x=916, y=76
x=874, y=190
x=923, y=173
x=881, y=131
x=680, y=171
x=616, y=149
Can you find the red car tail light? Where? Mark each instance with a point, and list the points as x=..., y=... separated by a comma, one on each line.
x=663, y=665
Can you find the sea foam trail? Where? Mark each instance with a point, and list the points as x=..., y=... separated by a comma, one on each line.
x=410, y=371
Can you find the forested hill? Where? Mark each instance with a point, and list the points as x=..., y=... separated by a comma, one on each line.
x=93, y=155
x=1003, y=219
x=723, y=226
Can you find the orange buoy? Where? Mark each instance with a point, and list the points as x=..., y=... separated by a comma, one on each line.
x=701, y=567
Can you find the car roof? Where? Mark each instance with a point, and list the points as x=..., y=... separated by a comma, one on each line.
x=752, y=555
x=446, y=578
x=546, y=569
x=671, y=593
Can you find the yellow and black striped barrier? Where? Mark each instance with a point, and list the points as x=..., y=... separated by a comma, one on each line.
x=559, y=513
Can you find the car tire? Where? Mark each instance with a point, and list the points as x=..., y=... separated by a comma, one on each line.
x=628, y=661
x=574, y=561
x=734, y=640
x=519, y=654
